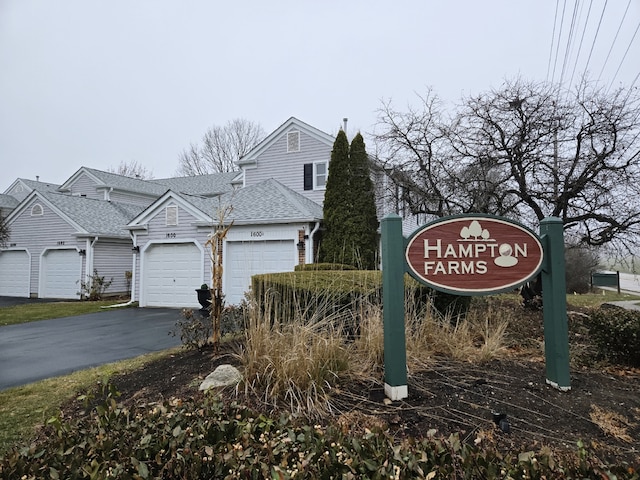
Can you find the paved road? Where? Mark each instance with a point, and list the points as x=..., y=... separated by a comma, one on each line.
x=37, y=350
x=630, y=282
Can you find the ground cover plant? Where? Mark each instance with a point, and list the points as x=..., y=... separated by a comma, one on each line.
x=338, y=423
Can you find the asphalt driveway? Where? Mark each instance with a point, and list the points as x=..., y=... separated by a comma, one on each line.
x=48, y=348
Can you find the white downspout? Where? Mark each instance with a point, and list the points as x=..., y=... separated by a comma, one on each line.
x=309, y=249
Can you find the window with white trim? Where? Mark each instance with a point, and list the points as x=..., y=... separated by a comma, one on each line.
x=315, y=176
x=293, y=141
x=319, y=175
x=37, y=210
x=171, y=215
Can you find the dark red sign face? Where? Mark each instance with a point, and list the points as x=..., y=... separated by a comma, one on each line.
x=474, y=255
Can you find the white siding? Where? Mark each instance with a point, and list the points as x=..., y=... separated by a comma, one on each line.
x=186, y=231
x=288, y=168
x=85, y=186
x=131, y=198
x=112, y=260
x=34, y=234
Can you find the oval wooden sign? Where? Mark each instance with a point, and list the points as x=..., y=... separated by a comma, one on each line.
x=474, y=254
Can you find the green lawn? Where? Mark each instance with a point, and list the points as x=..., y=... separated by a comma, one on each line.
x=22, y=409
x=44, y=311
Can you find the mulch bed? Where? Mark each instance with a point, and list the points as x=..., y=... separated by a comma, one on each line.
x=449, y=397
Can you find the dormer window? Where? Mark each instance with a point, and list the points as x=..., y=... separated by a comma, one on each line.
x=172, y=215
x=293, y=141
x=37, y=210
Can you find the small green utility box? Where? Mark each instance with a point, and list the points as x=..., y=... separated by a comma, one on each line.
x=606, y=279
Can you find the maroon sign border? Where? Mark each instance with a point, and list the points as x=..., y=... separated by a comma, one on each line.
x=473, y=291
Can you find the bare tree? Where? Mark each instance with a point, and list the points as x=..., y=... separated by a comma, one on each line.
x=220, y=148
x=4, y=231
x=528, y=150
x=132, y=169
x=412, y=147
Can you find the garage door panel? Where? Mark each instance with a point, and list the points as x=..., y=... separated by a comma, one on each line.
x=61, y=272
x=245, y=259
x=14, y=273
x=172, y=272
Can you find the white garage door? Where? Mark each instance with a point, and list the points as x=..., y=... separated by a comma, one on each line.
x=61, y=272
x=14, y=273
x=172, y=273
x=245, y=259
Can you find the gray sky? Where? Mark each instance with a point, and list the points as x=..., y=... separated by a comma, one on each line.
x=93, y=83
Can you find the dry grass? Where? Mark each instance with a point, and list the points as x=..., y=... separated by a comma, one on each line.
x=296, y=364
x=611, y=423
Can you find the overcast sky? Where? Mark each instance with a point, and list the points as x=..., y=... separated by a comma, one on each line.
x=94, y=83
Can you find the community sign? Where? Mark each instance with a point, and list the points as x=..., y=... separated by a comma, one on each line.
x=473, y=254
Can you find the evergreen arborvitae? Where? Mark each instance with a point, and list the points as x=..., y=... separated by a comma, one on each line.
x=350, y=220
x=337, y=206
x=364, y=218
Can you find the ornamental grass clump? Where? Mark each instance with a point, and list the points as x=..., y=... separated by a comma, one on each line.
x=295, y=363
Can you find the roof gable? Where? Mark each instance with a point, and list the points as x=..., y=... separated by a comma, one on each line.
x=21, y=187
x=112, y=180
x=252, y=157
x=156, y=208
x=86, y=215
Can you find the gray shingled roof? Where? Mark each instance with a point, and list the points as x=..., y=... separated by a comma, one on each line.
x=39, y=186
x=8, y=201
x=128, y=183
x=265, y=202
x=96, y=217
x=206, y=185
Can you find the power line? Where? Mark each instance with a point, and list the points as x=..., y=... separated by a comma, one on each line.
x=625, y=55
x=614, y=40
x=553, y=35
x=569, y=39
x=586, y=21
x=595, y=37
x=555, y=62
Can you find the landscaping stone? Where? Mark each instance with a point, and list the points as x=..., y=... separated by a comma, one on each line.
x=222, y=376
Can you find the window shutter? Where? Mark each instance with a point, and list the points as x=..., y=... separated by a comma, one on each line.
x=308, y=176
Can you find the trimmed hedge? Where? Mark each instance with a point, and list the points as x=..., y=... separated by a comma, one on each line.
x=330, y=292
x=313, y=267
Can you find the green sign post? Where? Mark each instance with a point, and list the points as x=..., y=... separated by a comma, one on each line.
x=554, y=299
x=473, y=255
x=395, y=348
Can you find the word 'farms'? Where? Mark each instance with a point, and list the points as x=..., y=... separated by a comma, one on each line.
x=474, y=255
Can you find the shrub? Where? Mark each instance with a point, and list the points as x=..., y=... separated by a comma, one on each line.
x=579, y=263
x=95, y=287
x=180, y=439
x=194, y=328
x=615, y=332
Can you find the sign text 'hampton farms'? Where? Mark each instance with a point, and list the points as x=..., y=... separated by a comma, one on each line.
x=473, y=254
